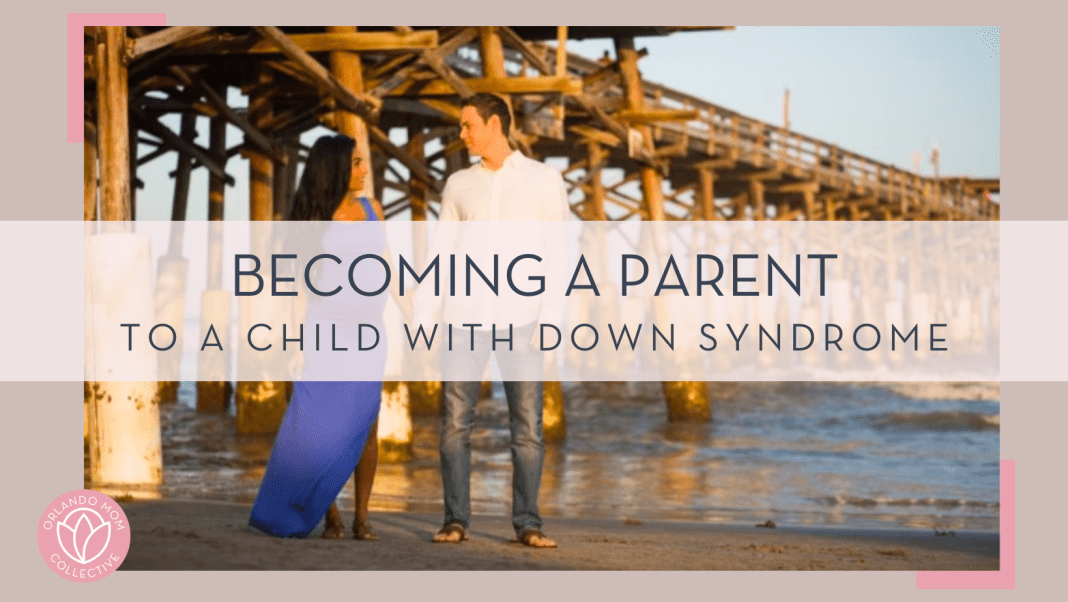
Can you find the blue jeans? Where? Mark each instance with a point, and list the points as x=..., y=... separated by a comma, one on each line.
x=525, y=416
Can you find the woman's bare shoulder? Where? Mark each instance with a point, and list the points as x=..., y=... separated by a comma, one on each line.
x=349, y=211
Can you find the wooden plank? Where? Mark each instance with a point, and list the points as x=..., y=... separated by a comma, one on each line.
x=361, y=41
x=497, y=85
x=636, y=116
x=717, y=163
x=363, y=105
x=802, y=187
x=164, y=37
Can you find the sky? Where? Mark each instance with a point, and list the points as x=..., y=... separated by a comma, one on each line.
x=884, y=92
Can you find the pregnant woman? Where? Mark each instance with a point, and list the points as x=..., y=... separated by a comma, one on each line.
x=329, y=425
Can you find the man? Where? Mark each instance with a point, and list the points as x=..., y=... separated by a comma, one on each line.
x=505, y=186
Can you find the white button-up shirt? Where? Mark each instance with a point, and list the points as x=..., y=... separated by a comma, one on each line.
x=522, y=190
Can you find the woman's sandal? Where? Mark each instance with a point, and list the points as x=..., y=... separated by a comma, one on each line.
x=451, y=533
x=335, y=528
x=362, y=531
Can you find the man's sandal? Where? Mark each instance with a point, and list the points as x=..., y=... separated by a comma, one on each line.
x=534, y=538
x=451, y=533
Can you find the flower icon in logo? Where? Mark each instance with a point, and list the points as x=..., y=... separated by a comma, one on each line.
x=83, y=535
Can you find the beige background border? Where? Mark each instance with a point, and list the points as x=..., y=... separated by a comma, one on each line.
x=42, y=446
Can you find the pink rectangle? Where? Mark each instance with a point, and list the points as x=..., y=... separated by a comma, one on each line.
x=76, y=23
x=1001, y=579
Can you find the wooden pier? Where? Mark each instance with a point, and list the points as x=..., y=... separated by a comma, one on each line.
x=631, y=149
x=693, y=159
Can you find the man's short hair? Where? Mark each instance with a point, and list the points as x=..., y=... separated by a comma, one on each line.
x=487, y=105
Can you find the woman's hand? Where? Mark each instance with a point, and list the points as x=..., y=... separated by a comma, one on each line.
x=296, y=365
x=405, y=305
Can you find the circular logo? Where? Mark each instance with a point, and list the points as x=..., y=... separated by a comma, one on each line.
x=83, y=535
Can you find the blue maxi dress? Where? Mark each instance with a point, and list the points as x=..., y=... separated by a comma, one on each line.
x=326, y=423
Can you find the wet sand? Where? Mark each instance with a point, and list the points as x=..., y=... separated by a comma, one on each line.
x=208, y=535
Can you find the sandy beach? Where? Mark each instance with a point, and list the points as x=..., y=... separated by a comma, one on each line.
x=209, y=535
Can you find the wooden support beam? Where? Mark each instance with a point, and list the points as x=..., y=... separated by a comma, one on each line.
x=389, y=65
x=717, y=163
x=216, y=100
x=448, y=109
x=756, y=194
x=767, y=174
x=615, y=127
x=595, y=135
x=352, y=41
x=706, y=194
x=173, y=105
x=176, y=142
x=135, y=183
x=738, y=205
x=832, y=209
x=810, y=204
x=415, y=166
x=89, y=171
x=362, y=104
x=496, y=85
x=496, y=80
x=416, y=148
x=597, y=156
x=647, y=116
x=347, y=69
x=291, y=70
x=164, y=37
x=634, y=97
x=185, y=168
x=284, y=185
x=113, y=125
x=163, y=149
x=561, y=51
x=383, y=41
x=89, y=66
x=492, y=50
x=512, y=39
x=216, y=184
x=794, y=187
x=446, y=48
x=261, y=168
x=788, y=215
x=438, y=65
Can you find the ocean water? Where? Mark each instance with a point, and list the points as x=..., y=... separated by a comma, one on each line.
x=866, y=455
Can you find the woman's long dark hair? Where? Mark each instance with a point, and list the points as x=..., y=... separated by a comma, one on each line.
x=325, y=181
